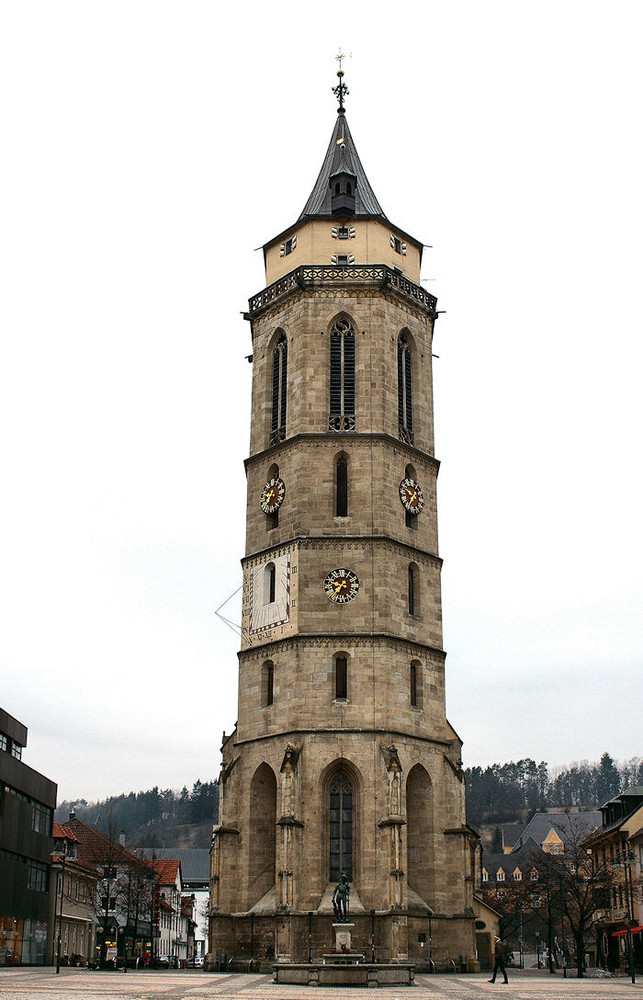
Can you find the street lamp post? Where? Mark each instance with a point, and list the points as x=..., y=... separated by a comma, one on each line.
x=562, y=928
x=624, y=860
x=56, y=857
x=430, y=916
x=550, y=935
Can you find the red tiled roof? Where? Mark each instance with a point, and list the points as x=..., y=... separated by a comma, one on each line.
x=166, y=869
x=62, y=832
x=95, y=848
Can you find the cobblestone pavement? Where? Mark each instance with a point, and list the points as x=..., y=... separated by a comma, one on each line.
x=81, y=984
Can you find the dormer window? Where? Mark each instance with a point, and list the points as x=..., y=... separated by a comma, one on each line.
x=398, y=245
x=288, y=246
x=343, y=232
x=343, y=186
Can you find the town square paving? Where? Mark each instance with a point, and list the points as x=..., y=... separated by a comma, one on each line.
x=81, y=984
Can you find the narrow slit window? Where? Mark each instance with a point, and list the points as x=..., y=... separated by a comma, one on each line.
x=341, y=677
x=270, y=583
x=416, y=685
x=268, y=684
x=341, y=487
x=412, y=589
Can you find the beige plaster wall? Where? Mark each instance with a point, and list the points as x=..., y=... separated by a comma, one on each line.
x=316, y=245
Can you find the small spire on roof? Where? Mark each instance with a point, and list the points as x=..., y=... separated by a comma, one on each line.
x=341, y=89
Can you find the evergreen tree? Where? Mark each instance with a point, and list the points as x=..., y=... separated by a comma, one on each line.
x=608, y=782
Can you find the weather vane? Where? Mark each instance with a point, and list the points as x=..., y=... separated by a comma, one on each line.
x=341, y=89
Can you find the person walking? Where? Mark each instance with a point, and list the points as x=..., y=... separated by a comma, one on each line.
x=499, y=962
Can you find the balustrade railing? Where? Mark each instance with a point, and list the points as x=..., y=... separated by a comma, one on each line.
x=347, y=273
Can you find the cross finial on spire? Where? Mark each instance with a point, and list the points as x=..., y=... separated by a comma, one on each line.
x=341, y=89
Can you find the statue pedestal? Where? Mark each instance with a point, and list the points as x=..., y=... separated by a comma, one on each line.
x=343, y=936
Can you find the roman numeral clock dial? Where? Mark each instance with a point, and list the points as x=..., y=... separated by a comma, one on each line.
x=272, y=495
x=341, y=586
x=411, y=496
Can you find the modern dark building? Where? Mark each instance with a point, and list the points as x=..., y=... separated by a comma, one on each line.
x=27, y=803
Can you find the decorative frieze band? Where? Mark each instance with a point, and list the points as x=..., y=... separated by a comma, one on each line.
x=350, y=641
x=348, y=543
x=332, y=440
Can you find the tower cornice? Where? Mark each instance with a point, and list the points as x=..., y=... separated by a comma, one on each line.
x=353, y=639
x=333, y=541
x=376, y=732
x=346, y=438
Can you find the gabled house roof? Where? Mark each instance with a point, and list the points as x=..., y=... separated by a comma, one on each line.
x=62, y=832
x=622, y=805
x=96, y=848
x=526, y=859
x=510, y=834
x=195, y=863
x=560, y=825
x=167, y=869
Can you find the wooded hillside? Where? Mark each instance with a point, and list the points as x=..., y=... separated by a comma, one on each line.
x=503, y=793
x=155, y=818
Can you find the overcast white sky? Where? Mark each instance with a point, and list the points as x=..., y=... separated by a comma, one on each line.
x=148, y=148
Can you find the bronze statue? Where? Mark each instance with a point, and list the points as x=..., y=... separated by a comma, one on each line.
x=341, y=899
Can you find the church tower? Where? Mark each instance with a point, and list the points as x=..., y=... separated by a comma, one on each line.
x=342, y=759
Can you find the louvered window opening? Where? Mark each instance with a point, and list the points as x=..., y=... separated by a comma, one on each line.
x=279, y=387
x=341, y=828
x=342, y=377
x=404, y=391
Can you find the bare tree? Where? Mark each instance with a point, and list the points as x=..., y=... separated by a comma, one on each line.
x=575, y=882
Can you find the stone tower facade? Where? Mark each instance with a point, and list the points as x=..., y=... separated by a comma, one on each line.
x=342, y=759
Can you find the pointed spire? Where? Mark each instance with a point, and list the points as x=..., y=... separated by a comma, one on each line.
x=342, y=187
x=341, y=159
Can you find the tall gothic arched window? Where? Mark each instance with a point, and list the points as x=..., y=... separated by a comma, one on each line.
x=404, y=390
x=342, y=376
x=341, y=827
x=279, y=390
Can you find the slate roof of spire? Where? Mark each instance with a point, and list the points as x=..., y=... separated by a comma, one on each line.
x=341, y=155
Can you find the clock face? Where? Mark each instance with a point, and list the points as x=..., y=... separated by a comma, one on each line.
x=341, y=586
x=272, y=495
x=411, y=496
